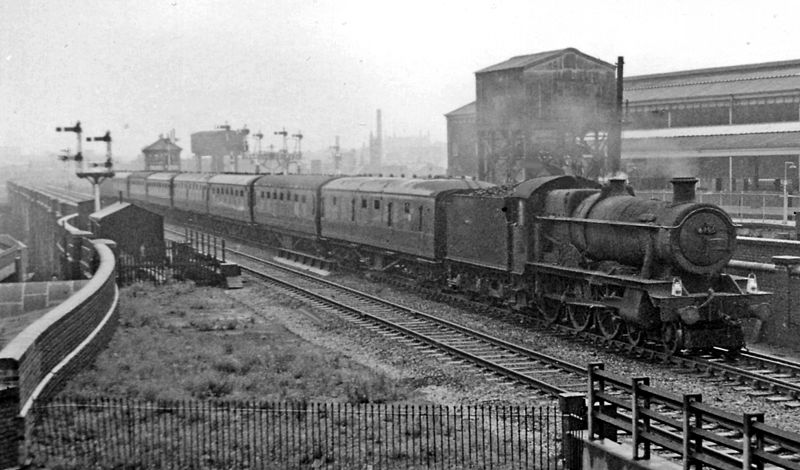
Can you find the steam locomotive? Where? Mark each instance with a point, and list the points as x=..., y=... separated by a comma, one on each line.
x=563, y=247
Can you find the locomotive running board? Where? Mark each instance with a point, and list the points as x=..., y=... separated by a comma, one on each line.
x=580, y=273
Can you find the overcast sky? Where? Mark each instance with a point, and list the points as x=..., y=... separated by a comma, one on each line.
x=143, y=67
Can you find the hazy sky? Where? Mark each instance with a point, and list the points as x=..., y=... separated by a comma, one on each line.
x=140, y=68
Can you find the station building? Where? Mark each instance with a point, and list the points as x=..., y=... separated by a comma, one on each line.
x=735, y=127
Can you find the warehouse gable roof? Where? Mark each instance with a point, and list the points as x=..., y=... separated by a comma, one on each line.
x=529, y=60
x=466, y=110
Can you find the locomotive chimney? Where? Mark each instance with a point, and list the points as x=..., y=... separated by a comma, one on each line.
x=617, y=185
x=683, y=189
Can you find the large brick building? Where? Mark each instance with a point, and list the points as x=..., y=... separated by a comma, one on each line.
x=531, y=112
x=733, y=127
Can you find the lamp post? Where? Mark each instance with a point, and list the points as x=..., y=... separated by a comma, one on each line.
x=786, y=167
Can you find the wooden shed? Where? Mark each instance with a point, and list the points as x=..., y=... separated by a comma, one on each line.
x=139, y=233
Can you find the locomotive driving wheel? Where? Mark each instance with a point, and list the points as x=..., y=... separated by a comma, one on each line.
x=609, y=323
x=636, y=336
x=672, y=337
x=579, y=317
x=550, y=310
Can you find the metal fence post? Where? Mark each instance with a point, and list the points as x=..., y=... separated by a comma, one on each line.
x=636, y=383
x=573, y=419
x=688, y=399
x=748, y=432
x=591, y=367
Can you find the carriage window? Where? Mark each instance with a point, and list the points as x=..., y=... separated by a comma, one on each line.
x=303, y=199
x=288, y=195
x=420, y=219
x=406, y=208
x=352, y=210
x=389, y=214
x=363, y=203
x=295, y=197
x=274, y=194
x=281, y=196
x=333, y=201
x=269, y=194
x=377, y=204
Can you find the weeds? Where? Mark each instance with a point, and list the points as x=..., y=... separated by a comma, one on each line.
x=180, y=351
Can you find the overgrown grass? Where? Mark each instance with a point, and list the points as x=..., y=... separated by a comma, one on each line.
x=180, y=342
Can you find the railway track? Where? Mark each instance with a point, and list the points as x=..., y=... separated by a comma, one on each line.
x=444, y=339
x=773, y=379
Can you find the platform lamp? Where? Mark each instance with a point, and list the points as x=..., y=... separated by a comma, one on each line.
x=786, y=167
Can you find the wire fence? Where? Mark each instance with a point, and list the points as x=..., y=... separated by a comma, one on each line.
x=123, y=433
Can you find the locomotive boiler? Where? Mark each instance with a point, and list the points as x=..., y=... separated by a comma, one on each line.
x=656, y=236
x=641, y=267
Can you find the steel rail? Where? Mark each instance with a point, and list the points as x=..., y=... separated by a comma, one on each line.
x=477, y=338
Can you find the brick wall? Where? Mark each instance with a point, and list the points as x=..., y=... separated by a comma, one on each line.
x=44, y=355
x=9, y=426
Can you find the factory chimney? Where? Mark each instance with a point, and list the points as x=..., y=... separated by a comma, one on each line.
x=376, y=152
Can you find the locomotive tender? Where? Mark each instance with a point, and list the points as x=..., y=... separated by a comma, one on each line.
x=562, y=247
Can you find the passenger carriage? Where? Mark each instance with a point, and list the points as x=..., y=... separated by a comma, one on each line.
x=230, y=196
x=159, y=188
x=190, y=192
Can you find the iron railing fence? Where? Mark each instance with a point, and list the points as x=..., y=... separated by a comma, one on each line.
x=182, y=260
x=123, y=433
x=682, y=427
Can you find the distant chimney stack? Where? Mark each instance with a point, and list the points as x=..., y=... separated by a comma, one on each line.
x=376, y=150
